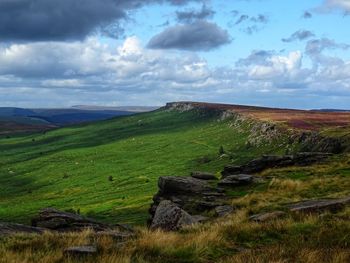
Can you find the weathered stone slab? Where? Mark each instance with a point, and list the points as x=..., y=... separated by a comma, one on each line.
x=317, y=206
x=236, y=180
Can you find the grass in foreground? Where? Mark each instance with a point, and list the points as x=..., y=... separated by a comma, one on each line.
x=310, y=239
x=233, y=239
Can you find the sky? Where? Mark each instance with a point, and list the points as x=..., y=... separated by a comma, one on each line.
x=61, y=53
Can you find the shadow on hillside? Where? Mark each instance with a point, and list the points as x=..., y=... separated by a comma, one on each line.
x=101, y=133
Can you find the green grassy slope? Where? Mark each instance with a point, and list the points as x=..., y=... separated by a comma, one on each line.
x=69, y=168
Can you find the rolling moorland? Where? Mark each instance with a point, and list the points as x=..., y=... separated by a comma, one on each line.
x=109, y=171
x=19, y=120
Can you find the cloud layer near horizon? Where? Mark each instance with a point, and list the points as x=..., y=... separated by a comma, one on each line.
x=92, y=69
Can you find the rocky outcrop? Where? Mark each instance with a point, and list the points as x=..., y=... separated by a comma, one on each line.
x=54, y=219
x=7, y=229
x=195, y=196
x=203, y=176
x=236, y=180
x=317, y=206
x=263, y=132
x=314, y=142
x=170, y=217
x=272, y=161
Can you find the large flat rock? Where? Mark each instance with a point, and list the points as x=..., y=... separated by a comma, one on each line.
x=178, y=184
x=316, y=206
x=236, y=180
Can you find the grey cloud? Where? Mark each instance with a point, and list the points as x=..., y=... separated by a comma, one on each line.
x=241, y=19
x=315, y=50
x=307, y=15
x=235, y=13
x=316, y=46
x=299, y=35
x=257, y=57
x=260, y=19
x=200, y=35
x=40, y=20
x=252, y=24
x=190, y=16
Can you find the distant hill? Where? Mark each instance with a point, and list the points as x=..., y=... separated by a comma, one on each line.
x=9, y=112
x=332, y=110
x=120, y=108
x=13, y=120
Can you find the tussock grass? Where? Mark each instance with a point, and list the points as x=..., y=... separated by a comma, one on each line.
x=230, y=239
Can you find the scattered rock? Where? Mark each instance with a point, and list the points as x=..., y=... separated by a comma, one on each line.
x=264, y=217
x=7, y=229
x=80, y=251
x=170, y=217
x=224, y=210
x=203, y=176
x=317, y=206
x=235, y=180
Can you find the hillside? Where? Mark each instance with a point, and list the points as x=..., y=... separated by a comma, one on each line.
x=109, y=171
x=69, y=167
x=18, y=120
